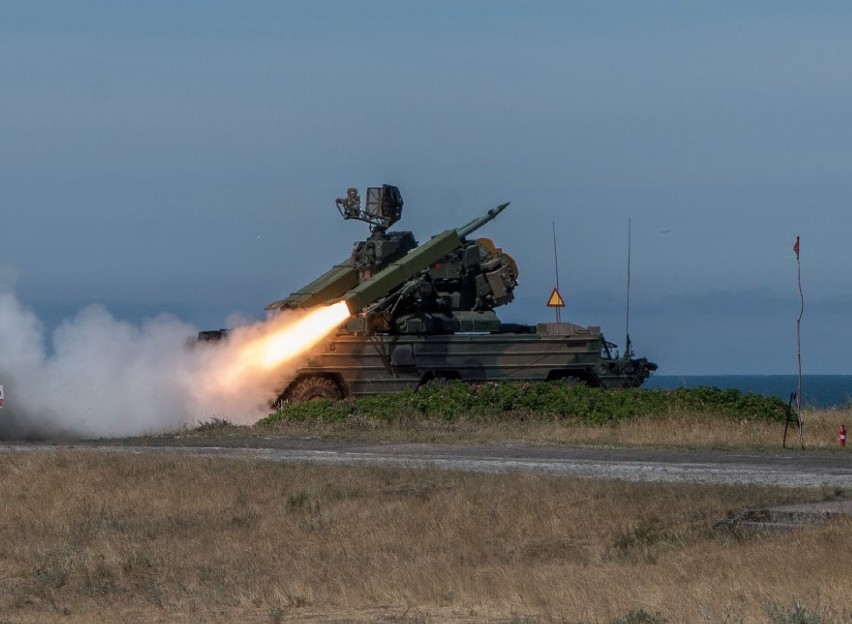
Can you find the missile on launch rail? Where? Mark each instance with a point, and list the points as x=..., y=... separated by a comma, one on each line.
x=397, y=273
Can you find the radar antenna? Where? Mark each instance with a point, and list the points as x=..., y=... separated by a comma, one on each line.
x=383, y=206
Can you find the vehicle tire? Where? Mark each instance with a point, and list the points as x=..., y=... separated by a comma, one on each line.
x=314, y=387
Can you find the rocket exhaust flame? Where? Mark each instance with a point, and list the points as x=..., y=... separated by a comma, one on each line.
x=280, y=343
x=297, y=337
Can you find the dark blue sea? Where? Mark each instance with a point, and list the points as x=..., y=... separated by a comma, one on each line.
x=818, y=391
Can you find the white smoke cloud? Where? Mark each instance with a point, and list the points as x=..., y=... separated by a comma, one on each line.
x=105, y=377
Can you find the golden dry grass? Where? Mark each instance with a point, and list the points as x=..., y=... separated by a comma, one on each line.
x=708, y=431
x=87, y=537
x=676, y=430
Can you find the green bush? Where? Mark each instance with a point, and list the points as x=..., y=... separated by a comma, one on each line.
x=493, y=401
x=640, y=617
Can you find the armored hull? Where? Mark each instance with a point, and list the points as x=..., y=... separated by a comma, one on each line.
x=353, y=365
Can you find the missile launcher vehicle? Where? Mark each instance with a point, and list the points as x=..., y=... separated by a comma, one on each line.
x=425, y=312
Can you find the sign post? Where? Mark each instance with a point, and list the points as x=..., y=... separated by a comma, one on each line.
x=556, y=301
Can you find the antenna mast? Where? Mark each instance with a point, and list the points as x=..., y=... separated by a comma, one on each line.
x=627, y=348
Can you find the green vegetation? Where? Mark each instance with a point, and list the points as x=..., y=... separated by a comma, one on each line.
x=578, y=403
x=640, y=617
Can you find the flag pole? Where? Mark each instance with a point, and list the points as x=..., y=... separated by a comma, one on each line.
x=799, y=345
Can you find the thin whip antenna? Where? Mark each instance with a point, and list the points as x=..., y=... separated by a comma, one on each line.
x=556, y=265
x=627, y=314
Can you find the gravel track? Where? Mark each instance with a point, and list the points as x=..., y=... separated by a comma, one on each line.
x=827, y=469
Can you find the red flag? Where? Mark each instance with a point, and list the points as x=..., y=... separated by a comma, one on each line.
x=796, y=247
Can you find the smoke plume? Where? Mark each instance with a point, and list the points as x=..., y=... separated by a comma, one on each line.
x=103, y=377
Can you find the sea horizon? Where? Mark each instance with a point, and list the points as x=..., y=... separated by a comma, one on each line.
x=818, y=391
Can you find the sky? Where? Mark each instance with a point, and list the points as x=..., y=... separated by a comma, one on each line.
x=183, y=157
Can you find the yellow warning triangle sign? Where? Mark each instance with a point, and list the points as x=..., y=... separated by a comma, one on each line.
x=556, y=300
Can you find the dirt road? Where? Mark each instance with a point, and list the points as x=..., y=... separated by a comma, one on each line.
x=830, y=469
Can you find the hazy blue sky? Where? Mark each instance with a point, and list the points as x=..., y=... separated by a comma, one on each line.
x=184, y=157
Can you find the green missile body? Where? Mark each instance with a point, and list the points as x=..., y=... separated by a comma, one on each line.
x=397, y=273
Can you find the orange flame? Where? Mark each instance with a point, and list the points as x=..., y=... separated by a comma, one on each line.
x=298, y=337
x=281, y=344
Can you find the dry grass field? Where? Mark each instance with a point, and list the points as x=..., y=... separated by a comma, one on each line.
x=676, y=430
x=88, y=537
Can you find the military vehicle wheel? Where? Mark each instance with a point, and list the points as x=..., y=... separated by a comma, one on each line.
x=314, y=387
